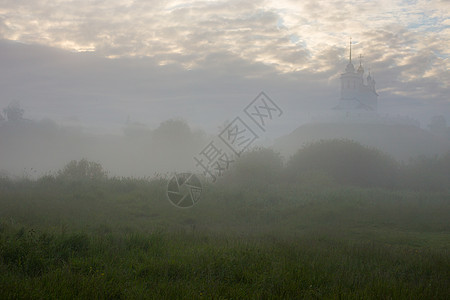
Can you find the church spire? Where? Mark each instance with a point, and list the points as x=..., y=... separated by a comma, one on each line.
x=357, y=94
x=350, y=68
x=350, y=49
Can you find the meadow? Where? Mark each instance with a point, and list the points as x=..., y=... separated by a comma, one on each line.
x=79, y=236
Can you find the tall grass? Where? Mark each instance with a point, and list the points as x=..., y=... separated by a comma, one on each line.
x=306, y=234
x=121, y=238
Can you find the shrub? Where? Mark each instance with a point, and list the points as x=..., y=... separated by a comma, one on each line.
x=427, y=173
x=258, y=167
x=83, y=169
x=346, y=161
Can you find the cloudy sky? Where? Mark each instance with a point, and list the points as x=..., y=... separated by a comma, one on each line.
x=98, y=63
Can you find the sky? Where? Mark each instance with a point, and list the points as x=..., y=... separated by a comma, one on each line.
x=101, y=64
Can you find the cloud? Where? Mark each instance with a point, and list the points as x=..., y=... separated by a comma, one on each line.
x=203, y=49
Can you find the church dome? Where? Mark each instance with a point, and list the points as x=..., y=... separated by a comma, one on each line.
x=350, y=68
x=360, y=69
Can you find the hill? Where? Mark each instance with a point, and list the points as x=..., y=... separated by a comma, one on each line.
x=402, y=142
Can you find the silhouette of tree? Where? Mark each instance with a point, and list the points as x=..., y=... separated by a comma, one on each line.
x=83, y=169
x=257, y=167
x=346, y=161
x=14, y=112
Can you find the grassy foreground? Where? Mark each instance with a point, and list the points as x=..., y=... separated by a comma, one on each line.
x=121, y=238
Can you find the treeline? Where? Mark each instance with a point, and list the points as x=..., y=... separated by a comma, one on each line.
x=340, y=162
x=46, y=146
x=324, y=163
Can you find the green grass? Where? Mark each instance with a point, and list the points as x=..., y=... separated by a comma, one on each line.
x=121, y=238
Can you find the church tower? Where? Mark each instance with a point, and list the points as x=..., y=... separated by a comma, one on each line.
x=355, y=94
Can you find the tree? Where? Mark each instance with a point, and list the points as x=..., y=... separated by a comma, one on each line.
x=82, y=169
x=172, y=131
x=257, y=167
x=14, y=112
x=345, y=161
x=174, y=138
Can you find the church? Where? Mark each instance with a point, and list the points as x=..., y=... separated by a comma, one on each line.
x=358, y=100
x=356, y=117
x=357, y=92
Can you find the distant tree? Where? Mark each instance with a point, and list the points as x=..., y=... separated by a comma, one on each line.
x=345, y=161
x=83, y=169
x=14, y=112
x=176, y=137
x=257, y=167
x=172, y=130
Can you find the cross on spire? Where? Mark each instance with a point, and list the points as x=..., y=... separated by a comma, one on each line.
x=350, y=49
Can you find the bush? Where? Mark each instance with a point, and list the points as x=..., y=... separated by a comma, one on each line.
x=258, y=167
x=82, y=170
x=347, y=162
x=427, y=173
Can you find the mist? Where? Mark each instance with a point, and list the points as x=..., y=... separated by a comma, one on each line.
x=224, y=149
x=36, y=148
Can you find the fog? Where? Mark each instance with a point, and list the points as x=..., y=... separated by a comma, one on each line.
x=35, y=148
x=224, y=149
x=83, y=105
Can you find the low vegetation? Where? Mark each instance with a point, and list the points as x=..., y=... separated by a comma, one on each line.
x=265, y=230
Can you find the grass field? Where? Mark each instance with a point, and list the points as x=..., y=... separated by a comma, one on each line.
x=121, y=238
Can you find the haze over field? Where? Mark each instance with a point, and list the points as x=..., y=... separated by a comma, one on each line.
x=127, y=66
x=98, y=63
x=262, y=149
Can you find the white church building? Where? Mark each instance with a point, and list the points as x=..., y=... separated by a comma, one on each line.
x=358, y=100
x=357, y=92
